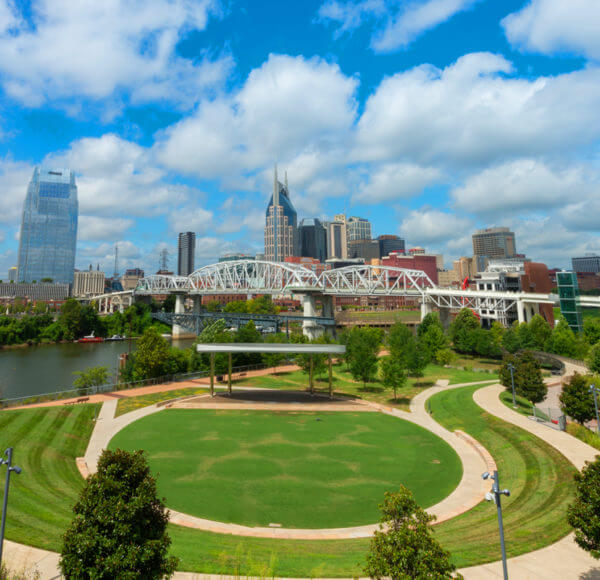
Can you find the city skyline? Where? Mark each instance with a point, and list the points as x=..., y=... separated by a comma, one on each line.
x=351, y=100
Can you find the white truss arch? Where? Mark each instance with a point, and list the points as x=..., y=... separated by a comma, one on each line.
x=160, y=284
x=372, y=280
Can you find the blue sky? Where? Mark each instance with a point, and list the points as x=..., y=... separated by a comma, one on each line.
x=430, y=117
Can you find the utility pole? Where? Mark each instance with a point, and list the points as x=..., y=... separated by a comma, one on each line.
x=495, y=495
x=10, y=468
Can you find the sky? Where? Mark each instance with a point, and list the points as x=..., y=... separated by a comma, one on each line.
x=431, y=118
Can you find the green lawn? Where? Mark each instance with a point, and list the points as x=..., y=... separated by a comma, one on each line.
x=539, y=478
x=46, y=442
x=296, y=469
x=127, y=404
x=344, y=383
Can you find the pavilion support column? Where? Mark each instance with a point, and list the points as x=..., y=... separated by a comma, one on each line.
x=310, y=376
x=520, y=312
x=229, y=375
x=212, y=374
x=330, y=378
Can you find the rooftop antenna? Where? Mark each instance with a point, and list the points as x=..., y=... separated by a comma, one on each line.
x=286, y=185
x=116, y=274
x=275, y=188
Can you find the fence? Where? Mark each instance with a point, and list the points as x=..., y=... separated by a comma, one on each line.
x=119, y=386
x=550, y=416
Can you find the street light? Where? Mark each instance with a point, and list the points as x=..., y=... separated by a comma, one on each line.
x=17, y=470
x=495, y=495
x=511, y=368
x=594, y=391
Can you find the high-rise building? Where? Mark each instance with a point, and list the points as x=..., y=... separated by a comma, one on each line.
x=88, y=282
x=367, y=249
x=492, y=243
x=358, y=228
x=390, y=243
x=589, y=263
x=281, y=227
x=49, y=227
x=186, y=252
x=313, y=239
x=337, y=244
x=130, y=279
x=12, y=274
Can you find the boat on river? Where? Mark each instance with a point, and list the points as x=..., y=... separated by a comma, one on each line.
x=91, y=338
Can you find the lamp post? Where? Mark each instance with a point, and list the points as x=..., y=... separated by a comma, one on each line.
x=17, y=470
x=495, y=495
x=594, y=392
x=511, y=368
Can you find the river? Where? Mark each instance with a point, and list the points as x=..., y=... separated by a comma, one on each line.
x=36, y=370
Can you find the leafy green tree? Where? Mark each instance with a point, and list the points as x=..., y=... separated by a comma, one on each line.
x=540, y=331
x=463, y=331
x=563, y=340
x=362, y=350
x=445, y=356
x=152, y=357
x=497, y=331
x=405, y=547
x=319, y=361
x=400, y=340
x=213, y=306
x=432, y=336
x=417, y=358
x=431, y=320
x=236, y=306
x=483, y=343
x=593, y=360
x=529, y=382
x=591, y=330
x=168, y=304
x=576, y=401
x=511, y=341
x=393, y=375
x=582, y=514
x=71, y=319
x=91, y=378
x=120, y=525
x=274, y=359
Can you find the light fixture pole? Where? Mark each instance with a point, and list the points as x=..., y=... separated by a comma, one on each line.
x=511, y=368
x=594, y=391
x=496, y=493
x=17, y=470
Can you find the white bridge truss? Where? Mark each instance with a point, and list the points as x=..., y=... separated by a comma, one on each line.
x=261, y=277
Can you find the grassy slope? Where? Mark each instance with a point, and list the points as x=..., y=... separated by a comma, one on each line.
x=303, y=470
x=46, y=442
x=128, y=404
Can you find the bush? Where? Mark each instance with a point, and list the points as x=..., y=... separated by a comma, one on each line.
x=582, y=514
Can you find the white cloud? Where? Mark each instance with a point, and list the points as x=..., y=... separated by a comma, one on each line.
x=473, y=113
x=524, y=184
x=285, y=106
x=432, y=226
x=415, y=19
x=556, y=26
x=394, y=181
x=191, y=218
x=14, y=178
x=398, y=25
x=104, y=49
x=93, y=228
x=583, y=215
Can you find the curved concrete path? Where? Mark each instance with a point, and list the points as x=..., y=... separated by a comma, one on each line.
x=469, y=492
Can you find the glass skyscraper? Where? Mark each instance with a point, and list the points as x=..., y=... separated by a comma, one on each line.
x=49, y=227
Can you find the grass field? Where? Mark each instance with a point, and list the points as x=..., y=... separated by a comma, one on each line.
x=374, y=391
x=46, y=442
x=128, y=404
x=296, y=469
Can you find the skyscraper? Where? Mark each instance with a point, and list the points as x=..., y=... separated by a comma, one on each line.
x=492, y=243
x=358, y=229
x=281, y=228
x=186, y=253
x=49, y=227
x=390, y=243
x=313, y=239
x=337, y=245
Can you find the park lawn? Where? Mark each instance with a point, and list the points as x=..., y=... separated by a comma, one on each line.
x=127, y=404
x=46, y=442
x=471, y=362
x=344, y=384
x=539, y=478
x=523, y=405
x=295, y=469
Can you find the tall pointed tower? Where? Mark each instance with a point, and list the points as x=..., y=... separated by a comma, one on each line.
x=281, y=227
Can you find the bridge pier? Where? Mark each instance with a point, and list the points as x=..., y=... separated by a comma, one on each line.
x=177, y=331
x=310, y=328
x=426, y=308
x=327, y=312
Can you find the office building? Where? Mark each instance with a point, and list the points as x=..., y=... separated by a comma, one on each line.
x=130, y=279
x=465, y=268
x=34, y=292
x=427, y=264
x=492, y=243
x=337, y=243
x=49, y=227
x=186, y=251
x=367, y=249
x=358, y=228
x=12, y=274
x=88, y=282
x=281, y=228
x=588, y=263
x=313, y=239
x=390, y=243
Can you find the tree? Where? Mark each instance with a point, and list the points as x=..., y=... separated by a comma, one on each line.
x=591, y=330
x=462, y=331
x=510, y=340
x=582, y=514
x=362, y=350
x=398, y=338
x=120, y=525
x=318, y=360
x=90, y=378
x=417, y=358
x=274, y=359
x=445, y=356
x=562, y=340
x=576, y=401
x=393, y=375
x=527, y=373
x=151, y=359
x=431, y=335
x=405, y=547
x=593, y=360
x=540, y=331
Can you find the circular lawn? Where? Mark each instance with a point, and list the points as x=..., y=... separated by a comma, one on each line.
x=293, y=469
